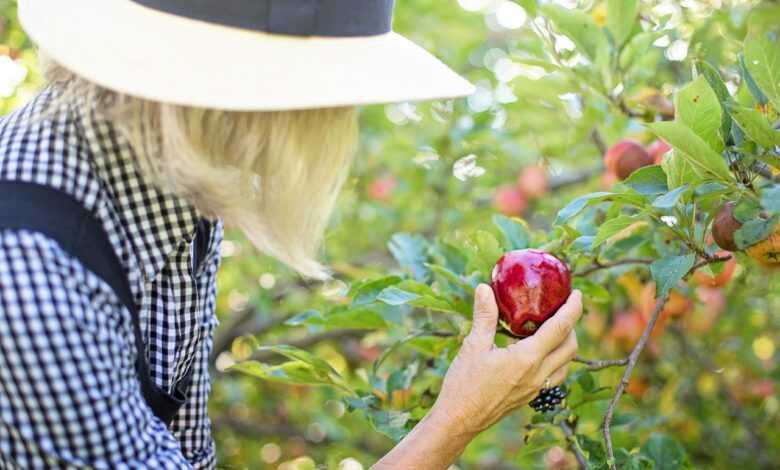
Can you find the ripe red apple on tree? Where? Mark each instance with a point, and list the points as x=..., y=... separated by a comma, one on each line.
x=510, y=201
x=625, y=157
x=532, y=181
x=657, y=150
x=724, y=226
x=530, y=286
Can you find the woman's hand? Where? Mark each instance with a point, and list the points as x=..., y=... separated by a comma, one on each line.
x=485, y=382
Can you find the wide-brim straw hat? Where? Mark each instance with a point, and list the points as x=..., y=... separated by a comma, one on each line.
x=245, y=55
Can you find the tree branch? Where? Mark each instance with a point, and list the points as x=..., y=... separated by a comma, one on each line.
x=709, y=260
x=598, y=141
x=249, y=322
x=572, y=445
x=598, y=266
x=634, y=357
x=601, y=364
x=632, y=360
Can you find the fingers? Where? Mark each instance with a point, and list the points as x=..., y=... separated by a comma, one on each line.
x=483, y=329
x=554, y=331
x=560, y=357
x=559, y=376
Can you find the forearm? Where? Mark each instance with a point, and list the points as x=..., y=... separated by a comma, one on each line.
x=435, y=443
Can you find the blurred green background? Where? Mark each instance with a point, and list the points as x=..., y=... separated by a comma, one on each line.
x=446, y=168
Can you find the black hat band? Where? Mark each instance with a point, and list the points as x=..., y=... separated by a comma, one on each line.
x=335, y=18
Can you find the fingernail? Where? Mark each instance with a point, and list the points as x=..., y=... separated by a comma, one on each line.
x=481, y=291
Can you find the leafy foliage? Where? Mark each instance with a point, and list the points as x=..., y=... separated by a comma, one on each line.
x=552, y=91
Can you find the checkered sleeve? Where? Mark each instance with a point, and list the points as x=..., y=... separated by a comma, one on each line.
x=69, y=397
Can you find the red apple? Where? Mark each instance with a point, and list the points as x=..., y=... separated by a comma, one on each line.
x=532, y=181
x=625, y=157
x=530, y=286
x=657, y=150
x=720, y=279
x=510, y=201
x=724, y=226
x=381, y=188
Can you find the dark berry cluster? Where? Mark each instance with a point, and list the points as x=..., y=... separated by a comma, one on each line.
x=548, y=399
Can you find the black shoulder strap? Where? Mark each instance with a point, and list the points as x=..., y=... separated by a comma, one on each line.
x=59, y=216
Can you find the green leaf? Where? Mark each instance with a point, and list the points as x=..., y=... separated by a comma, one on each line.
x=617, y=228
x=747, y=78
x=719, y=87
x=755, y=231
x=667, y=272
x=390, y=423
x=577, y=26
x=450, y=277
x=670, y=199
x=591, y=290
x=664, y=451
x=395, y=296
x=762, y=51
x=411, y=253
x=585, y=380
x=770, y=198
x=515, y=232
x=755, y=125
x=291, y=352
x=352, y=318
x=678, y=170
x=648, y=180
x=621, y=18
x=295, y=372
x=401, y=379
x=697, y=107
x=576, y=206
x=366, y=293
x=421, y=296
x=485, y=247
x=593, y=448
x=704, y=161
x=637, y=47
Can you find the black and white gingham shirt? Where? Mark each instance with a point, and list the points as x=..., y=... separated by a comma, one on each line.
x=69, y=396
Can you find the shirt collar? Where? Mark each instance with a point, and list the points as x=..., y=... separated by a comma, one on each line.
x=155, y=222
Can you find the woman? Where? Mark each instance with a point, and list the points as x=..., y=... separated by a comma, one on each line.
x=164, y=118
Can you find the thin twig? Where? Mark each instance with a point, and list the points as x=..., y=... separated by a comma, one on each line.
x=601, y=364
x=634, y=357
x=710, y=260
x=598, y=141
x=573, y=179
x=598, y=266
x=632, y=360
x=572, y=444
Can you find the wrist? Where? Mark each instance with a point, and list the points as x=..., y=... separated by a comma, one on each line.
x=444, y=418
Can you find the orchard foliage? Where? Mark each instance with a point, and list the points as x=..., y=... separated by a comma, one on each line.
x=678, y=361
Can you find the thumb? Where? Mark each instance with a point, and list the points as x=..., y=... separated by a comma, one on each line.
x=483, y=329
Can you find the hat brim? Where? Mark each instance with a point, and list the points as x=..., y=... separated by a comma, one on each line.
x=142, y=52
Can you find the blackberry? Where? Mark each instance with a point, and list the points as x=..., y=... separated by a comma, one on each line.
x=548, y=399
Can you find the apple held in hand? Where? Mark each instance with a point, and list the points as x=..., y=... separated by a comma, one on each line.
x=530, y=286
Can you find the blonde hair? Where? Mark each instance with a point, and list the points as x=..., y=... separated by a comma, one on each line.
x=274, y=175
